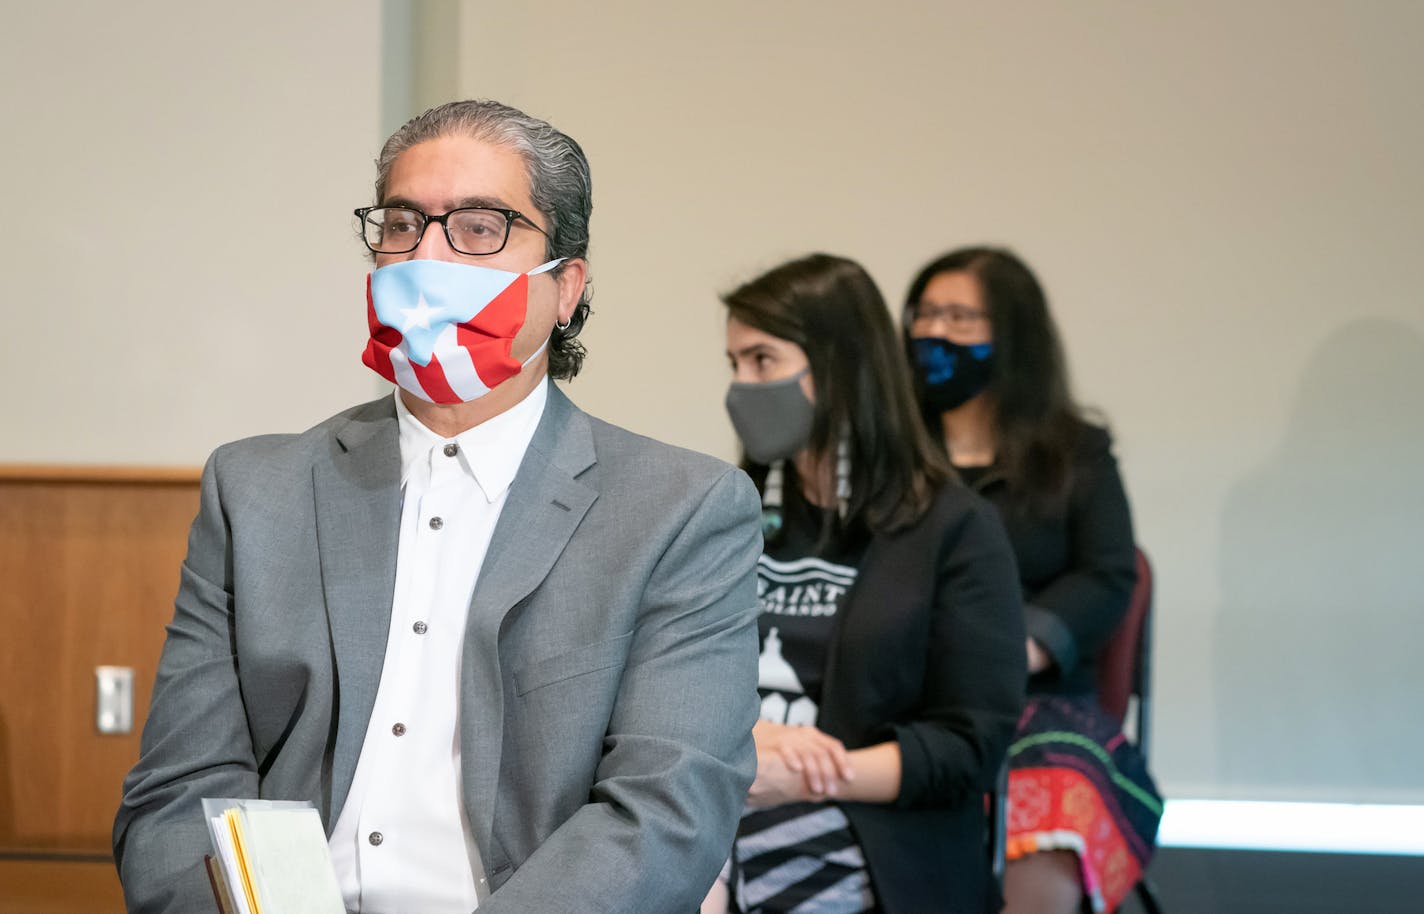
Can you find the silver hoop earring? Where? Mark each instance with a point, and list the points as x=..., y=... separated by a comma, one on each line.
x=564, y=325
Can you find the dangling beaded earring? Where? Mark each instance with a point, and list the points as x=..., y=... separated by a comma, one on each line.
x=771, y=519
x=843, y=477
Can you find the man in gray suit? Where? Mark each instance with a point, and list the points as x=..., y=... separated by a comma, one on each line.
x=506, y=649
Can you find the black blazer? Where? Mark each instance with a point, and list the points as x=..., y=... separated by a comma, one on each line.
x=928, y=650
x=1077, y=565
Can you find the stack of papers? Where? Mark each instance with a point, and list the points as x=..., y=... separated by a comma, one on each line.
x=270, y=857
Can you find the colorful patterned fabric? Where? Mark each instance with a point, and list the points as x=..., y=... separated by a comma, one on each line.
x=1076, y=783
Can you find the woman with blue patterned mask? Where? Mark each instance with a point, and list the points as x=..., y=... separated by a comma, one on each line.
x=993, y=391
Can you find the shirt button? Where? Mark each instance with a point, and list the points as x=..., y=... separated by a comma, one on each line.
x=436, y=523
x=420, y=628
x=398, y=729
x=452, y=449
x=375, y=838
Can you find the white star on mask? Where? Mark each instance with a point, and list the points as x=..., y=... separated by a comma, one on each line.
x=419, y=316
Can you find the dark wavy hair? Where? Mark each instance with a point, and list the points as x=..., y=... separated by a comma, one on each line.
x=830, y=307
x=1036, y=421
x=560, y=185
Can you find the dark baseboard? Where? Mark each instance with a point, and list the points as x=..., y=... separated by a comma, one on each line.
x=1193, y=881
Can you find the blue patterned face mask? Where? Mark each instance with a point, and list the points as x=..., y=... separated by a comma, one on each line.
x=951, y=374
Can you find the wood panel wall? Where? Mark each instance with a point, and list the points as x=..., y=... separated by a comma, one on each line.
x=89, y=561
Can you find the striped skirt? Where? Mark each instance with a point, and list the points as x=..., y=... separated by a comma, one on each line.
x=801, y=857
x=1076, y=783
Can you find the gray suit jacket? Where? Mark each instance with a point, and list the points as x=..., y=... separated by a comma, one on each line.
x=608, y=683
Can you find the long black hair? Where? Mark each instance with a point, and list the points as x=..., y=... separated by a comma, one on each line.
x=830, y=307
x=1036, y=422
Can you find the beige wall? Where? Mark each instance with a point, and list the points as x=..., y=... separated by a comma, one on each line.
x=149, y=148
x=1223, y=200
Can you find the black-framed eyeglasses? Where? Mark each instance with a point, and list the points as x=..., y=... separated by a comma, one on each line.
x=472, y=230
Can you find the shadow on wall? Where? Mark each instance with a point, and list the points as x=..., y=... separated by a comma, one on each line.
x=1317, y=673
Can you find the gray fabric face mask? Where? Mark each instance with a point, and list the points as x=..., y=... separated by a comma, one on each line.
x=773, y=418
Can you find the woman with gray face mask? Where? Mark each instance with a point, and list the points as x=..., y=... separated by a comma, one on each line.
x=892, y=665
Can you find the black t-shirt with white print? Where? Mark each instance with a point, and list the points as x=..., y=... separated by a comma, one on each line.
x=800, y=591
x=801, y=856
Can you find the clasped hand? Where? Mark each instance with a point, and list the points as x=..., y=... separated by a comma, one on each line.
x=797, y=763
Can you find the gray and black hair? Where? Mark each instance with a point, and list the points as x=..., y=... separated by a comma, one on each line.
x=559, y=184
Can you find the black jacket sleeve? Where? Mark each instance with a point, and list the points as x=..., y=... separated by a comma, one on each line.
x=1073, y=615
x=973, y=687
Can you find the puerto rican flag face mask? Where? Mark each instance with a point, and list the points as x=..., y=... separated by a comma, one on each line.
x=443, y=330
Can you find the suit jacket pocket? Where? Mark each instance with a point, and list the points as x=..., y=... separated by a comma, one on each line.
x=578, y=662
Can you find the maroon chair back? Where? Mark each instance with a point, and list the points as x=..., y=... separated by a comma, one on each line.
x=1122, y=664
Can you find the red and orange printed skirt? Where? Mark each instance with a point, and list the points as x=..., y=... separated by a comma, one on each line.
x=1076, y=783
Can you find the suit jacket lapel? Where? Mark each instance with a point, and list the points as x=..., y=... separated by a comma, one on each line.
x=545, y=504
x=358, y=508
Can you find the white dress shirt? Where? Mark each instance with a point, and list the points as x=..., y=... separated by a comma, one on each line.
x=402, y=844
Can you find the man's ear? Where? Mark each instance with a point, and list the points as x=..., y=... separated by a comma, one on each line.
x=572, y=277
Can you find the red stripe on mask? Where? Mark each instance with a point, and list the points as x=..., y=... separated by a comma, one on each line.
x=432, y=381
x=489, y=335
x=377, y=356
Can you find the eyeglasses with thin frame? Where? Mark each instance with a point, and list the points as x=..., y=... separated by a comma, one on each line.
x=472, y=230
x=954, y=315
